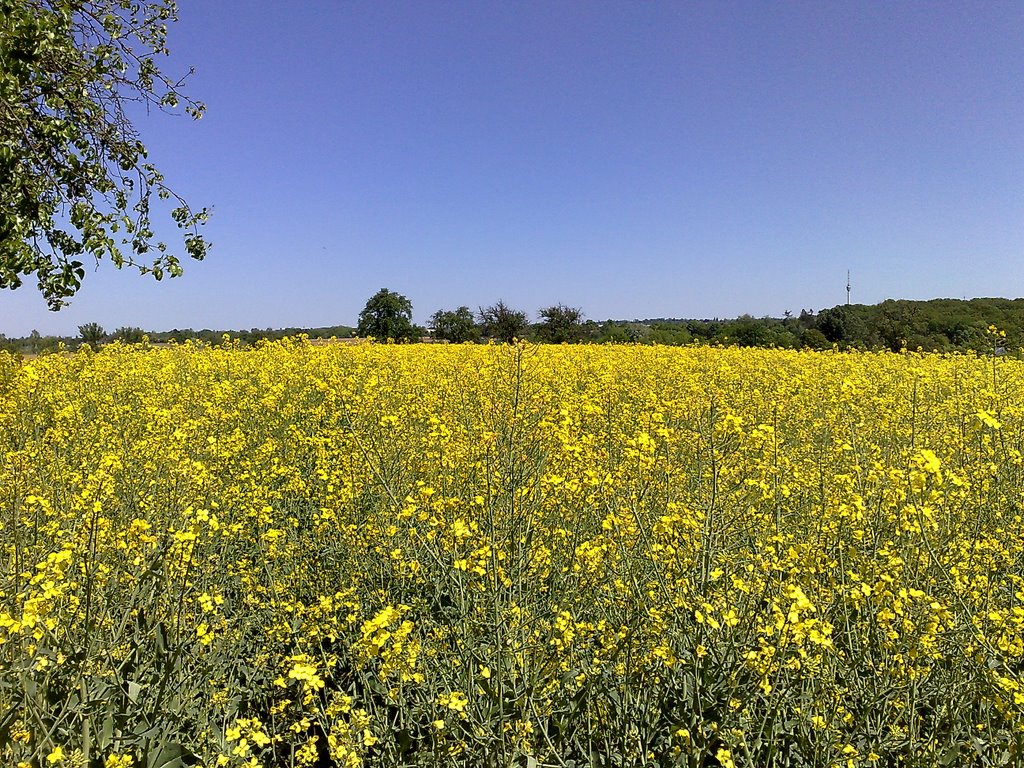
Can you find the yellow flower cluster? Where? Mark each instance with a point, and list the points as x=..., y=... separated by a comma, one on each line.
x=463, y=555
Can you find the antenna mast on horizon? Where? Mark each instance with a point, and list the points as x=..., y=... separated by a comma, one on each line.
x=847, y=287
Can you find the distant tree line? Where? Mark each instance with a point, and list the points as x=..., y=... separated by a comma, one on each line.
x=937, y=325
x=95, y=336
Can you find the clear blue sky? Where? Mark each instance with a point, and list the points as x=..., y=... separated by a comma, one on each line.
x=687, y=159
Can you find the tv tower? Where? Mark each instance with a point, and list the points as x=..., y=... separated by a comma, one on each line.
x=847, y=287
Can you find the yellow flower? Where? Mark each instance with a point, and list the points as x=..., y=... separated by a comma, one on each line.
x=929, y=461
x=989, y=420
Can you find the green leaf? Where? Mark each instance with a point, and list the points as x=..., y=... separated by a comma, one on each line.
x=950, y=756
x=106, y=732
x=134, y=689
x=170, y=755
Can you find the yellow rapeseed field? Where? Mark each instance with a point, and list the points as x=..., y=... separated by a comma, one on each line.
x=510, y=556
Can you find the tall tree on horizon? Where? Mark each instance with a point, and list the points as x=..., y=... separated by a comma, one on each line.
x=499, y=321
x=387, y=315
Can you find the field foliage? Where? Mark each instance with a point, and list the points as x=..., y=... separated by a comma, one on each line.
x=510, y=556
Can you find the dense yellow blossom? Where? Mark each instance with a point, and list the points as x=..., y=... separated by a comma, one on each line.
x=363, y=555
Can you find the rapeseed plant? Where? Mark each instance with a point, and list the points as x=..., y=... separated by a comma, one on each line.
x=510, y=555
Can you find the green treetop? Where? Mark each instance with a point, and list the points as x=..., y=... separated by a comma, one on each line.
x=387, y=315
